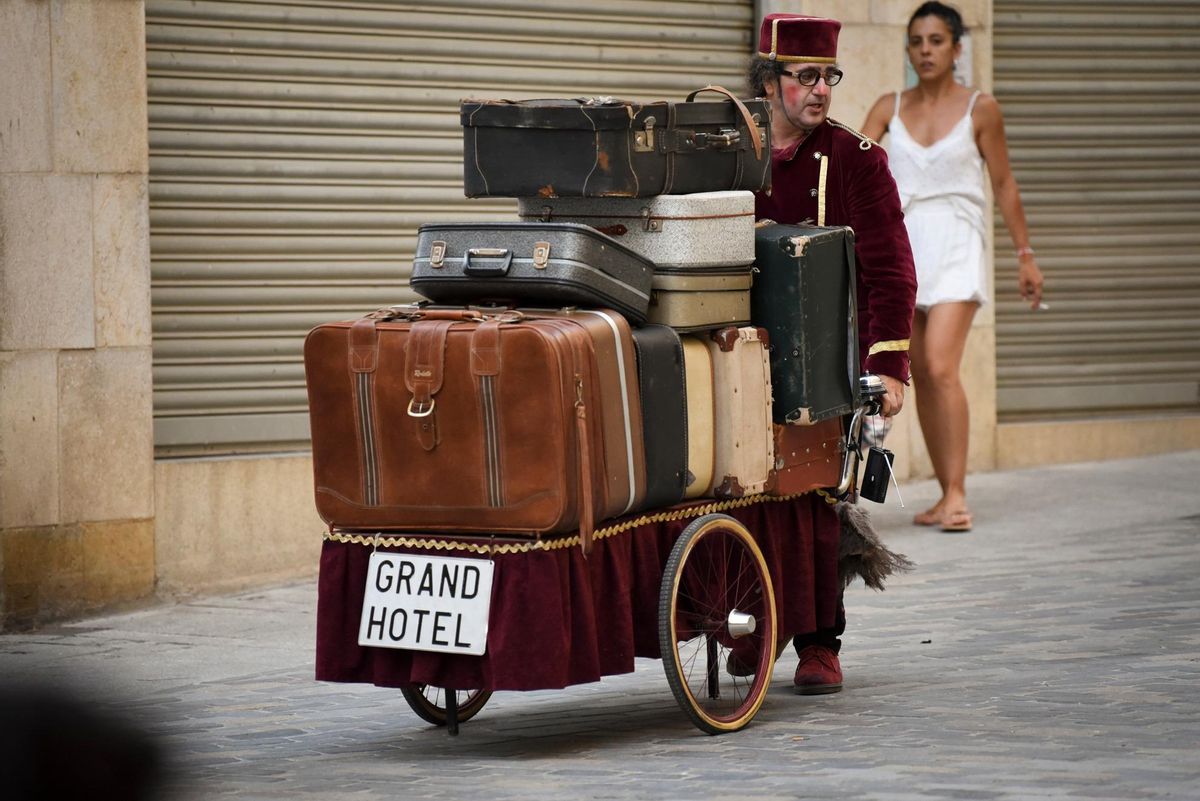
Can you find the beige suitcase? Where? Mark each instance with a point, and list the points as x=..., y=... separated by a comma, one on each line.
x=742, y=439
x=698, y=376
x=696, y=300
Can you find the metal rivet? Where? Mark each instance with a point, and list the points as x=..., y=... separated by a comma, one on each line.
x=817, y=155
x=812, y=193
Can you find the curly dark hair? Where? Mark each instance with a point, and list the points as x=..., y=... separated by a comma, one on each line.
x=947, y=14
x=760, y=73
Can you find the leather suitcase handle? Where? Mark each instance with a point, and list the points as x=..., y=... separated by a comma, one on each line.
x=741, y=107
x=411, y=313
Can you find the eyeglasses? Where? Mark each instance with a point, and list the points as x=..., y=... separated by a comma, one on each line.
x=810, y=76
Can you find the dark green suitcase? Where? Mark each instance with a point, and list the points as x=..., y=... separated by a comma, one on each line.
x=803, y=294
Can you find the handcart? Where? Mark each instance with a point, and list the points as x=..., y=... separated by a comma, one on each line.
x=713, y=588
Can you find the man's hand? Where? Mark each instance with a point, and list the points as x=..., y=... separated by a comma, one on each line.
x=893, y=401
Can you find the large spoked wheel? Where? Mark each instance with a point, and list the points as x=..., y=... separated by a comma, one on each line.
x=432, y=704
x=716, y=624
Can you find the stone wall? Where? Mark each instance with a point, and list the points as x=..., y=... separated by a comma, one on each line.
x=76, y=442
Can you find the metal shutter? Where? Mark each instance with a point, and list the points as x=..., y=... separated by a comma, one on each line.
x=1102, y=107
x=296, y=145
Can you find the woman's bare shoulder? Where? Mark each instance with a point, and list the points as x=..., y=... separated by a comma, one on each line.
x=986, y=107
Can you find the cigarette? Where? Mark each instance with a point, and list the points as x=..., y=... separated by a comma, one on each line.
x=1043, y=307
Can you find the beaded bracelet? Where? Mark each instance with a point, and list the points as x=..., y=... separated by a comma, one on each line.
x=1024, y=251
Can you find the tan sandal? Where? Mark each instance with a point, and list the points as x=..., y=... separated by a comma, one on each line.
x=957, y=521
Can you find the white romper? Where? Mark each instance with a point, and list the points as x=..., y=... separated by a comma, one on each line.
x=941, y=192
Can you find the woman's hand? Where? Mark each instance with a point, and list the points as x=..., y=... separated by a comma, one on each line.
x=1029, y=280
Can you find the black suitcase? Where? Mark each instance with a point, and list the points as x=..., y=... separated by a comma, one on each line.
x=664, y=414
x=803, y=294
x=601, y=147
x=532, y=264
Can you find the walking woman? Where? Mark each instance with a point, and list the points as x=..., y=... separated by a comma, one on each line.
x=941, y=134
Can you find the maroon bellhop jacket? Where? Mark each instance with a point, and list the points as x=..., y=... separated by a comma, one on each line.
x=861, y=193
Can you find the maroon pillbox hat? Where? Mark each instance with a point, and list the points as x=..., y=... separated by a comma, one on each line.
x=795, y=38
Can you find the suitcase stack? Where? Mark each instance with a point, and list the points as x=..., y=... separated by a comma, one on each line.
x=592, y=359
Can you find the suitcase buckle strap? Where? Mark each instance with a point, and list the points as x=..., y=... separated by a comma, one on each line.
x=424, y=410
x=423, y=375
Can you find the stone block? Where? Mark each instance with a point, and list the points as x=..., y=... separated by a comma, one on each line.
x=1033, y=444
x=897, y=12
x=99, y=90
x=25, y=98
x=222, y=524
x=873, y=58
x=106, y=434
x=122, y=261
x=42, y=576
x=979, y=380
x=28, y=439
x=978, y=374
x=118, y=561
x=46, y=276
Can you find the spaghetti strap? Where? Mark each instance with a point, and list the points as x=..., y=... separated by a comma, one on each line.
x=971, y=105
x=896, y=110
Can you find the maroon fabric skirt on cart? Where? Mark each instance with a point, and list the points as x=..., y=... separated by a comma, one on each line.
x=558, y=618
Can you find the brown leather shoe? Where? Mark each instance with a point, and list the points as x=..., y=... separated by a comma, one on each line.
x=819, y=671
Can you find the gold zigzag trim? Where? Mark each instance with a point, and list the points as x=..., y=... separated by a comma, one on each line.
x=488, y=549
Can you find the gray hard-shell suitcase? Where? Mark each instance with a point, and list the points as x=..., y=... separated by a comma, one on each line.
x=804, y=297
x=603, y=147
x=534, y=264
x=697, y=300
x=664, y=413
x=701, y=230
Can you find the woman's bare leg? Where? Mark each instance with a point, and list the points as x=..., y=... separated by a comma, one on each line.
x=939, y=338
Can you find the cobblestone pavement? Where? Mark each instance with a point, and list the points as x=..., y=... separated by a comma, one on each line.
x=1054, y=652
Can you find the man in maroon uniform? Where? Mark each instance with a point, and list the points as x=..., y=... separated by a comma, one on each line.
x=825, y=173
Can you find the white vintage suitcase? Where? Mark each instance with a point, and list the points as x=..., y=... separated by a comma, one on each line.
x=697, y=300
x=742, y=439
x=706, y=229
x=698, y=378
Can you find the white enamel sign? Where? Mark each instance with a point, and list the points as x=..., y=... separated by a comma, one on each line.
x=426, y=603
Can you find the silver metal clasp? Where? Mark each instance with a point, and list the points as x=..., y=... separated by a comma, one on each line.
x=437, y=254
x=541, y=255
x=643, y=140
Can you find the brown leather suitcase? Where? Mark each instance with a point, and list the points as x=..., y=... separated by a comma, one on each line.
x=453, y=420
x=620, y=407
x=807, y=457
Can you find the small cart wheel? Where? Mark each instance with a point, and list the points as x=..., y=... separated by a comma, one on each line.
x=430, y=704
x=717, y=603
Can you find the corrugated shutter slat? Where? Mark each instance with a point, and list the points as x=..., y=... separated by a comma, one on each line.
x=296, y=145
x=1102, y=111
